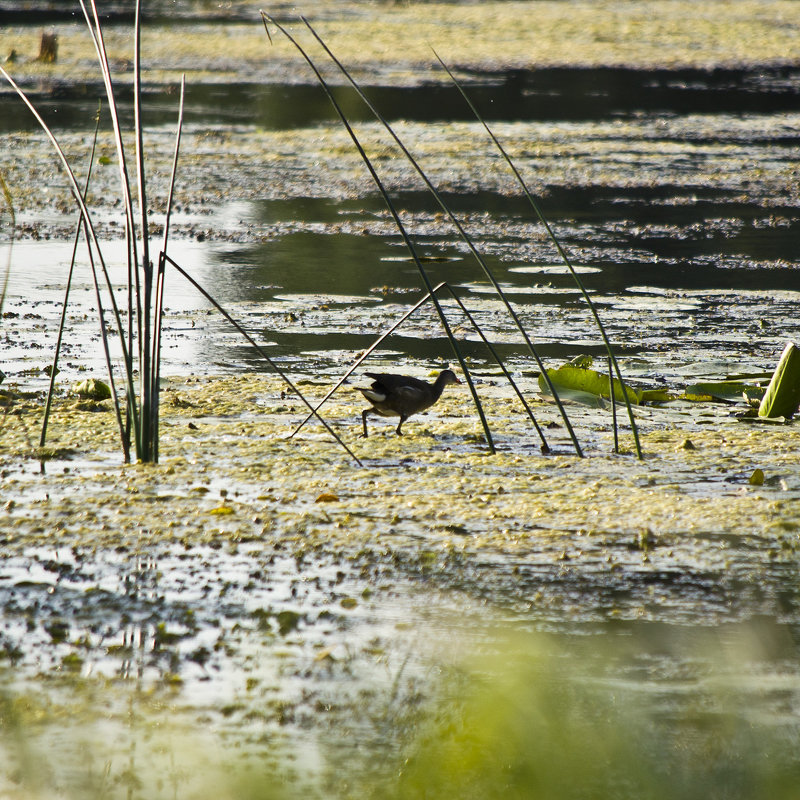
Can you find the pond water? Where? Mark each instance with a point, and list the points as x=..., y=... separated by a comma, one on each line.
x=676, y=188
x=675, y=194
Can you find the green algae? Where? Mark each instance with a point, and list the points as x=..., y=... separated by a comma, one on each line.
x=394, y=41
x=738, y=163
x=214, y=433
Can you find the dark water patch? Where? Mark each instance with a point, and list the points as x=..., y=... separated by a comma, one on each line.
x=313, y=288
x=570, y=95
x=593, y=93
x=714, y=244
x=329, y=351
x=72, y=106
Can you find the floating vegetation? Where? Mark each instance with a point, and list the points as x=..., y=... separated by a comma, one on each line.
x=582, y=382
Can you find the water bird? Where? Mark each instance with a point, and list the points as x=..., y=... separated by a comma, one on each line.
x=401, y=395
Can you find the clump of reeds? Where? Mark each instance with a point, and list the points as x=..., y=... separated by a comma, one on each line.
x=139, y=425
x=140, y=339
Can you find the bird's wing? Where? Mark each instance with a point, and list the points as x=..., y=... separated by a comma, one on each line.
x=412, y=396
x=392, y=382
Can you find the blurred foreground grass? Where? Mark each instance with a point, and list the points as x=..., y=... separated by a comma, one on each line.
x=534, y=722
x=529, y=716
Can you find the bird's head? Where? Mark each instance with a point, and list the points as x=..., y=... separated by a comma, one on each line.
x=446, y=377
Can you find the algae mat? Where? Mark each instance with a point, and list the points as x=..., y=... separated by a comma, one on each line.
x=395, y=40
x=230, y=473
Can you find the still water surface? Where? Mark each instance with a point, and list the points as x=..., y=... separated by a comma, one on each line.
x=684, y=195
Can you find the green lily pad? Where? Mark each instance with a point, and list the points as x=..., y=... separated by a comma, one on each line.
x=571, y=378
x=657, y=396
x=729, y=391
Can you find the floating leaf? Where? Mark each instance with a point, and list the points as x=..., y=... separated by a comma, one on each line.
x=751, y=415
x=697, y=398
x=221, y=510
x=657, y=396
x=327, y=497
x=573, y=396
x=757, y=478
x=588, y=381
x=783, y=393
x=348, y=603
x=732, y=391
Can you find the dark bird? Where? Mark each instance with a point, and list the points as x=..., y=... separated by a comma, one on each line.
x=401, y=395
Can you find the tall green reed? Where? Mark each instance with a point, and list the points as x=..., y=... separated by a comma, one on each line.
x=9, y=201
x=139, y=429
x=137, y=416
x=454, y=220
x=98, y=267
x=266, y=18
x=67, y=289
x=562, y=254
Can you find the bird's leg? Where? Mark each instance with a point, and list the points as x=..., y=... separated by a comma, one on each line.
x=364, y=420
x=400, y=425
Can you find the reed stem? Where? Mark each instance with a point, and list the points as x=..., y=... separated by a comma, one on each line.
x=398, y=222
x=159, y=310
x=363, y=357
x=62, y=322
x=562, y=253
x=459, y=227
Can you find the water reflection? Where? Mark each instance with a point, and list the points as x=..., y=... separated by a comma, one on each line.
x=699, y=251
x=329, y=277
